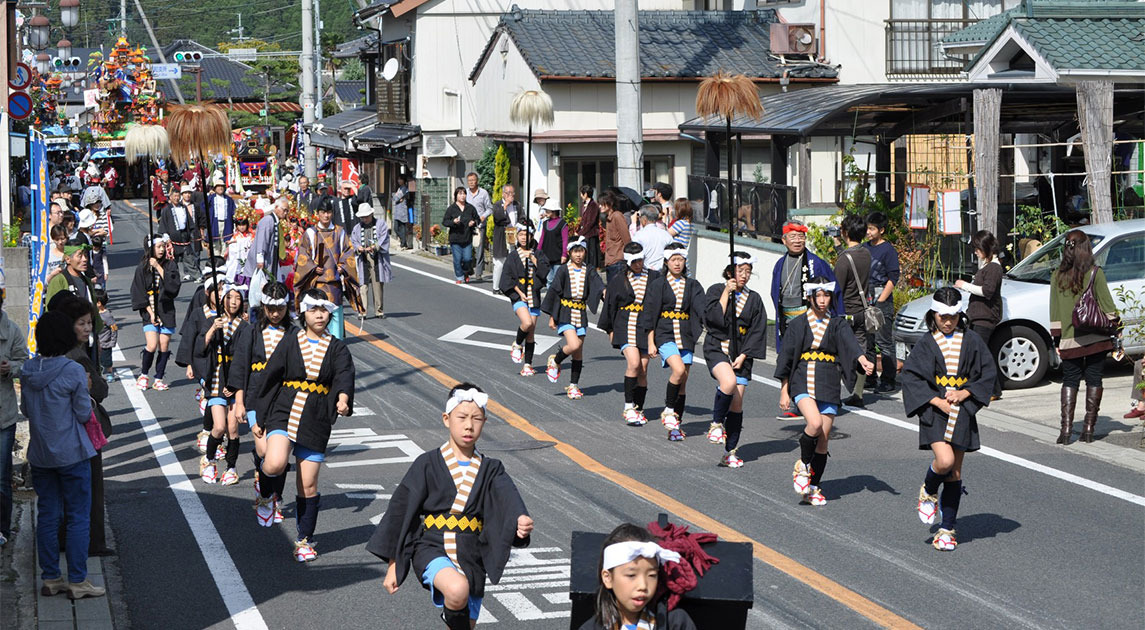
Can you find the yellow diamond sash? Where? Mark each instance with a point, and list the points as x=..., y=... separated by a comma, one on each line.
x=463, y=478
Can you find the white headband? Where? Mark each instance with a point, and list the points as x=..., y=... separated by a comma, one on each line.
x=624, y=552
x=466, y=395
x=580, y=242
x=227, y=288
x=630, y=258
x=740, y=260
x=668, y=253
x=810, y=289
x=161, y=238
x=524, y=226
x=209, y=281
x=945, y=309
x=309, y=303
x=269, y=301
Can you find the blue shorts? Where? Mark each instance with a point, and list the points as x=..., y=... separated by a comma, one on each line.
x=581, y=331
x=427, y=576
x=670, y=349
x=301, y=453
x=826, y=409
x=216, y=401
x=162, y=330
x=535, y=312
x=742, y=381
x=250, y=417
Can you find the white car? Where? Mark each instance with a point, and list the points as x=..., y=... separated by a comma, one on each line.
x=1022, y=340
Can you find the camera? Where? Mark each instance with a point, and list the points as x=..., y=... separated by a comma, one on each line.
x=833, y=231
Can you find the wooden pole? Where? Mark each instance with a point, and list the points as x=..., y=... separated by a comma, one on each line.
x=733, y=209
x=1095, y=118
x=987, y=114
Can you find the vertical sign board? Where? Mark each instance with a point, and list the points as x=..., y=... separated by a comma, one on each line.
x=40, y=240
x=348, y=172
x=917, y=203
x=949, y=212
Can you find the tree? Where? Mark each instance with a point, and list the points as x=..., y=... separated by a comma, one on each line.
x=500, y=172
x=485, y=169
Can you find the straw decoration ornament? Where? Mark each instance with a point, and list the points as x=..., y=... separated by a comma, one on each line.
x=728, y=96
x=531, y=107
x=146, y=142
x=198, y=131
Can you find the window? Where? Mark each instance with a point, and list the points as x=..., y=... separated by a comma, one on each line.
x=1039, y=266
x=600, y=173
x=657, y=168
x=917, y=27
x=1124, y=259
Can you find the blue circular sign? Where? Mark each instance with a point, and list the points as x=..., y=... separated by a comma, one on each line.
x=19, y=105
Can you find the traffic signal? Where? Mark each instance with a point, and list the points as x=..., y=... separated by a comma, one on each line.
x=188, y=56
x=71, y=64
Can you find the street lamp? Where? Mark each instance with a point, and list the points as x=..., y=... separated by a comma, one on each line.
x=38, y=28
x=43, y=63
x=64, y=49
x=69, y=13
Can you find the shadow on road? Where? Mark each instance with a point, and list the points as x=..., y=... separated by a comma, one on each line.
x=858, y=483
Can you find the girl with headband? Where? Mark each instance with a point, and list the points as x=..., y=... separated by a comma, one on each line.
x=630, y=574
x=672, y=315
x=153, y=291
x=454, y=517
x=215, y=348
x=575, y=290
x=522, y=279
x=620, y=318
x=731, y=303
x=253, y=349
x=817, y=351
x=947, y=378
x=308, y=383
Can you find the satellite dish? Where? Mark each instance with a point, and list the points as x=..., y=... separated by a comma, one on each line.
x=390, y=69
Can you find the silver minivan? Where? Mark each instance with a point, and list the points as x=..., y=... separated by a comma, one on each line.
x=1022, y=340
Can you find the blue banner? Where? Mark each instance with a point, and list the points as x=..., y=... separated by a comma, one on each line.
x=41, y=243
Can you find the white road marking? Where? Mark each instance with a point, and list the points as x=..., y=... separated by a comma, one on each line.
x=343, y=441
x=989, y=452
x=240, y=605
x=364, y=496
x=462, y=335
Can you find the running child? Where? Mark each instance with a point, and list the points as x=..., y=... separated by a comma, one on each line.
x=454, y=517
x=154, y=288
x=253, y=348
x=817, y=351
x=733, y=375
x=620, y=318
x=673, y=310
x=108, y=335
x=575, y=290
x=628, y=597
x=522, y=279
x=214, y=353
x=946, y=380
x=308, y=383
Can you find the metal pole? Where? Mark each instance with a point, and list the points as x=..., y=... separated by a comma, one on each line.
x=123, y=18
x=318, y=62
x=306, y=99
x=733, y=330
x=158, y=49
x=629, y=126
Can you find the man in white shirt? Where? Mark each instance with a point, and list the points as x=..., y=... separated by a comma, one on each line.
x=652, y=236
x=481, y=201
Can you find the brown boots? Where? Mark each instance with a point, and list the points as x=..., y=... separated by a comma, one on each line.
x=1092, y=404
x=1069, y=402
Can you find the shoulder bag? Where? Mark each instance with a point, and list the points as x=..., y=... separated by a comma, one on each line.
x=872, y=316
x=1087, y=314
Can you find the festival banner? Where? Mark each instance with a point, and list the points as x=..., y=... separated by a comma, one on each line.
x=40, y=241
x=347, y=170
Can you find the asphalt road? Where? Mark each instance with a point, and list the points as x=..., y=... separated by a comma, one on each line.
x=1036, y=550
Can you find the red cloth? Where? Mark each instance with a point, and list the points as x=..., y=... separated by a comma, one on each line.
x=680, y=577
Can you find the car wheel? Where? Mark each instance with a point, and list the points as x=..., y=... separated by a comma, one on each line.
x=1022, y=356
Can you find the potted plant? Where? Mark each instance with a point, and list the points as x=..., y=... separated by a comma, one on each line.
x=440, y=240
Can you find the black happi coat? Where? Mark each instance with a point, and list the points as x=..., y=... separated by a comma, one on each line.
x=660, y=299
x=250, y=359
x=561, y=289
x=428, y=488
x=752, y=321
x=839, y=340
x=918, y=387
x=146, y=282
x=615, y=320
x=676, y=619
x=205, y=355
x=513, y=275
x=183, y=354
x=273, y=401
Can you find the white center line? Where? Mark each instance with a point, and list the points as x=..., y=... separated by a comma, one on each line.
x=895, y=422
x=240, y=605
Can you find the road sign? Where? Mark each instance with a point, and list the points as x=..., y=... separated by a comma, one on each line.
x=19, y=105
x=162, y=71
x=22, y=78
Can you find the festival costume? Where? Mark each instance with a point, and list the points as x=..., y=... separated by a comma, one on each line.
x=298, y=398
x=446, y=514
x=656, y=617
x=937, y=364
x=673, y=311
x=148, y=289
x=620, y=316
x=574, y=292
x=211, y=361
x=751, y=341
x=816, y=354
x=519, y=271
x=327, y=261
x=374, y=266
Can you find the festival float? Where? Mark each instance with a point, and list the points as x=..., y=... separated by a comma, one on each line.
x=253, y=164
x=124, y=92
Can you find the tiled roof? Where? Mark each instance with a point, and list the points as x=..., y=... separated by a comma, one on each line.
x=350, y=93
x=1090, y=44
x=673, y=44
x=223, y=78
x=356, y=47
x=986, y=30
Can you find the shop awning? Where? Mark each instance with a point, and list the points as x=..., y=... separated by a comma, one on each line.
x=388, y=135
x=334, y=132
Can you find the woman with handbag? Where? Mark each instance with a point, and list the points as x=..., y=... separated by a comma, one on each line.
x=1083, y=319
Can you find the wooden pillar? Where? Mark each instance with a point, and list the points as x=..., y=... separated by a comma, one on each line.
x=900, y=166
x=779, y=146
x=1095, y=117
x=712, y=154
x=883, y=169
x=987, y=114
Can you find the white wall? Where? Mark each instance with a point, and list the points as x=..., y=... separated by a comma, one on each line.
x=711, y=257
x=855, y=35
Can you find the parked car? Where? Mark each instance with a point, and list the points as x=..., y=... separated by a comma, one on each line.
x=1022, y=340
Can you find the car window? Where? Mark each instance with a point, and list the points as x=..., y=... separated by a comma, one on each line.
x=1039, y=267
x=1124, y=259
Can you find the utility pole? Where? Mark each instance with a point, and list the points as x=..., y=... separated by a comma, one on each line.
x=629, y=126
x=318, y=63
x=307, y=99
x=158, y=50
x=123, y=18
x=240, y=39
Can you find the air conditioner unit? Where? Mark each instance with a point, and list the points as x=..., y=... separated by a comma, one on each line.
x=794, y=39
x=437, y=146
